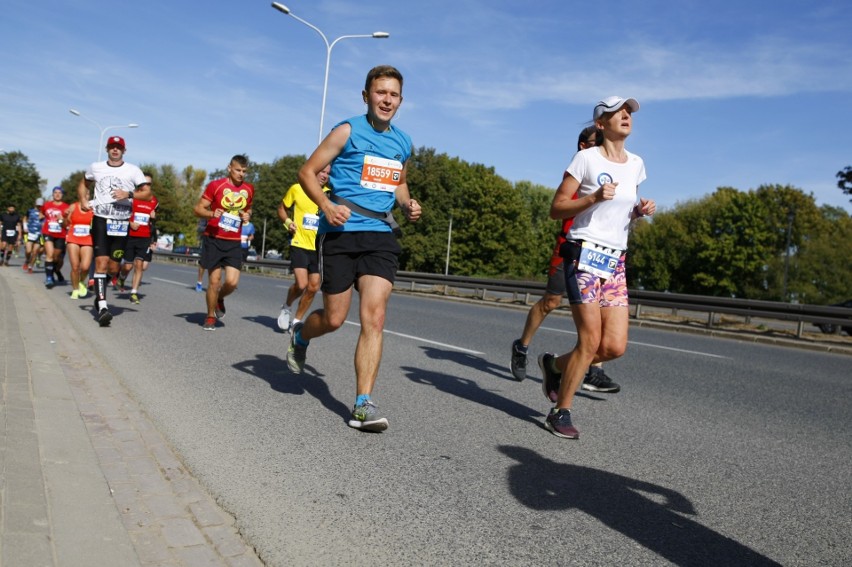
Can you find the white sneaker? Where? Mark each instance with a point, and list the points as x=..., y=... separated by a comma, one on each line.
x=284, y=319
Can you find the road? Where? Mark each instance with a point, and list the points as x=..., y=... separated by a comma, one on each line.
x=716, y=452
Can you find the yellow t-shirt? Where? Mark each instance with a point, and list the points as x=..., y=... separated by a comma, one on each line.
x=305, y=215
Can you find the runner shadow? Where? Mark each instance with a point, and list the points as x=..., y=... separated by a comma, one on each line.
x=470, y=390
x=469, y=360
x=275, y=371
x=653, y=516
x=265, y=321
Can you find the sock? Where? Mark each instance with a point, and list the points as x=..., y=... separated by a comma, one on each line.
x=362, y=399
x=102, y=304
x=48, y=270
x=299, y=340
x=100, y=286
x=132, y=291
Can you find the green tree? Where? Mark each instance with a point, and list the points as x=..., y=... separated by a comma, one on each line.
x=20, y=183
x=821, y=272
x=844, y=180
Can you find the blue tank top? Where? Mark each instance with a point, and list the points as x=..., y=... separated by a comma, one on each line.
x=367, y=173
x=33, y=222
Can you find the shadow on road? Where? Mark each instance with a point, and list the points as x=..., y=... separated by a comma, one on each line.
x=470, y=390
x=470, y=360
x=651, y=515
x=275, y=371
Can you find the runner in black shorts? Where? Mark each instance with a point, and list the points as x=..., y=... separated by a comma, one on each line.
x=356, y=242
x=114, y=183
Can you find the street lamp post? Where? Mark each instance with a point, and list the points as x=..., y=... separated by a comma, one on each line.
x=791, y=215
x=102, y=130
x=328, y=47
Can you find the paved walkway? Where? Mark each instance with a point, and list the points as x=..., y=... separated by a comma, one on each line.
x=85, y=478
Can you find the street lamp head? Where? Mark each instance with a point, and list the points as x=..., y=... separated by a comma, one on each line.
x=281, y=7
x=381, y=35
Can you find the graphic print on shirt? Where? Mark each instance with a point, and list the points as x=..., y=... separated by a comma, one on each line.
x=108, y=205
x=232, y=202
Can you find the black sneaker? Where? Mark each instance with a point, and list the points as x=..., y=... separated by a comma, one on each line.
x=550, y=379
x=519, y=361
x=559, y=423
x=104, y=317
x=596, y=380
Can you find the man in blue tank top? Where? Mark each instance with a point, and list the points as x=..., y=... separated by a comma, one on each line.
x=356, y=240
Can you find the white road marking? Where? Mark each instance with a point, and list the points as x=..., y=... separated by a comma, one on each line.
x=422, y=340
x=182, y=284
x=649, y=345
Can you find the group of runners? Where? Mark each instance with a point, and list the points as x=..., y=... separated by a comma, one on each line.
x=344, y=238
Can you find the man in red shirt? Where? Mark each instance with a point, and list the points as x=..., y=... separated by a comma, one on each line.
x=226, y=204
x=140, y=238
x=53, y=230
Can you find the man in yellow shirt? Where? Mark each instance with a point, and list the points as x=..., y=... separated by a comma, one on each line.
x=304, y=260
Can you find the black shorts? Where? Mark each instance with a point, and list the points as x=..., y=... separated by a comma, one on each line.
x=217, y=252
x=344, y=256
x=305, y=259
x=104, y=244
x=9, y=239
x=137, y=247
x=58, y=243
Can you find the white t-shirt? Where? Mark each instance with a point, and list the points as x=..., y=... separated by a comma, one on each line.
x=108, y=178
x=605, y=222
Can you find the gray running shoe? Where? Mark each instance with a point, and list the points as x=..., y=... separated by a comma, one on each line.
x=210, y=324
x=549, y=378
x=596, y=380
x=519, y=361
x=559, y=423
x=104, y=317
x=366, y=417
x=296, y=354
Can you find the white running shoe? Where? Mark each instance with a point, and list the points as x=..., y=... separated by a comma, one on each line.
x=284, y=319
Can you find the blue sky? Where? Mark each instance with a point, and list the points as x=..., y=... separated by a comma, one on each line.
x=733, y=94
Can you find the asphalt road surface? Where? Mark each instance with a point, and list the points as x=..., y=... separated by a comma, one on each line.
x=716, y=452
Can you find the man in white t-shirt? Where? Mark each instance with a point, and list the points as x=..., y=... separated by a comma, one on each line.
x=114, y=184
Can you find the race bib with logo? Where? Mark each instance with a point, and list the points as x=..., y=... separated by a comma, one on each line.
x=117, y=227
x=54, y=226
x=141, y=218
x=229, y=222
x=81, y=230
x=11, y=232
x=598, y=260
x=381, y=174
x=310, y=222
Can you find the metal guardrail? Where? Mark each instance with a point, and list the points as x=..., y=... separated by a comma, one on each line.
x=839, y=317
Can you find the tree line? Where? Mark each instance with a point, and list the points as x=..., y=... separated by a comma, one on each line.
x=772, y=242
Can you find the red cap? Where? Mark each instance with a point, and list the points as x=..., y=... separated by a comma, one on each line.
x=116, y=141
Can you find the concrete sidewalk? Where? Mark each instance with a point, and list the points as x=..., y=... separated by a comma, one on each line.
x=85, y=478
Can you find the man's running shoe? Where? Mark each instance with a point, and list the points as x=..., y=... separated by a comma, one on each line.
x=30, y=270
x=519, y=361
x=104, y=317
x=210, y=324
x=198, y=287
x=220, y=308
x=596, y=380
x=550, y=378
x=559, y=423
x=75, y=294
x=25, y=267
x=284, y=319
x=114, y=283
x=59, y=277
x=296, y=354
x=366, y=417
x=49, y=283
x=83, y=291
x=134, y=298
x=121, y=284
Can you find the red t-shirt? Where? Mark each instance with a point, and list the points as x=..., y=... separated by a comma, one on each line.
x=54, y=214
x=142, y=214
x=231, y=200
